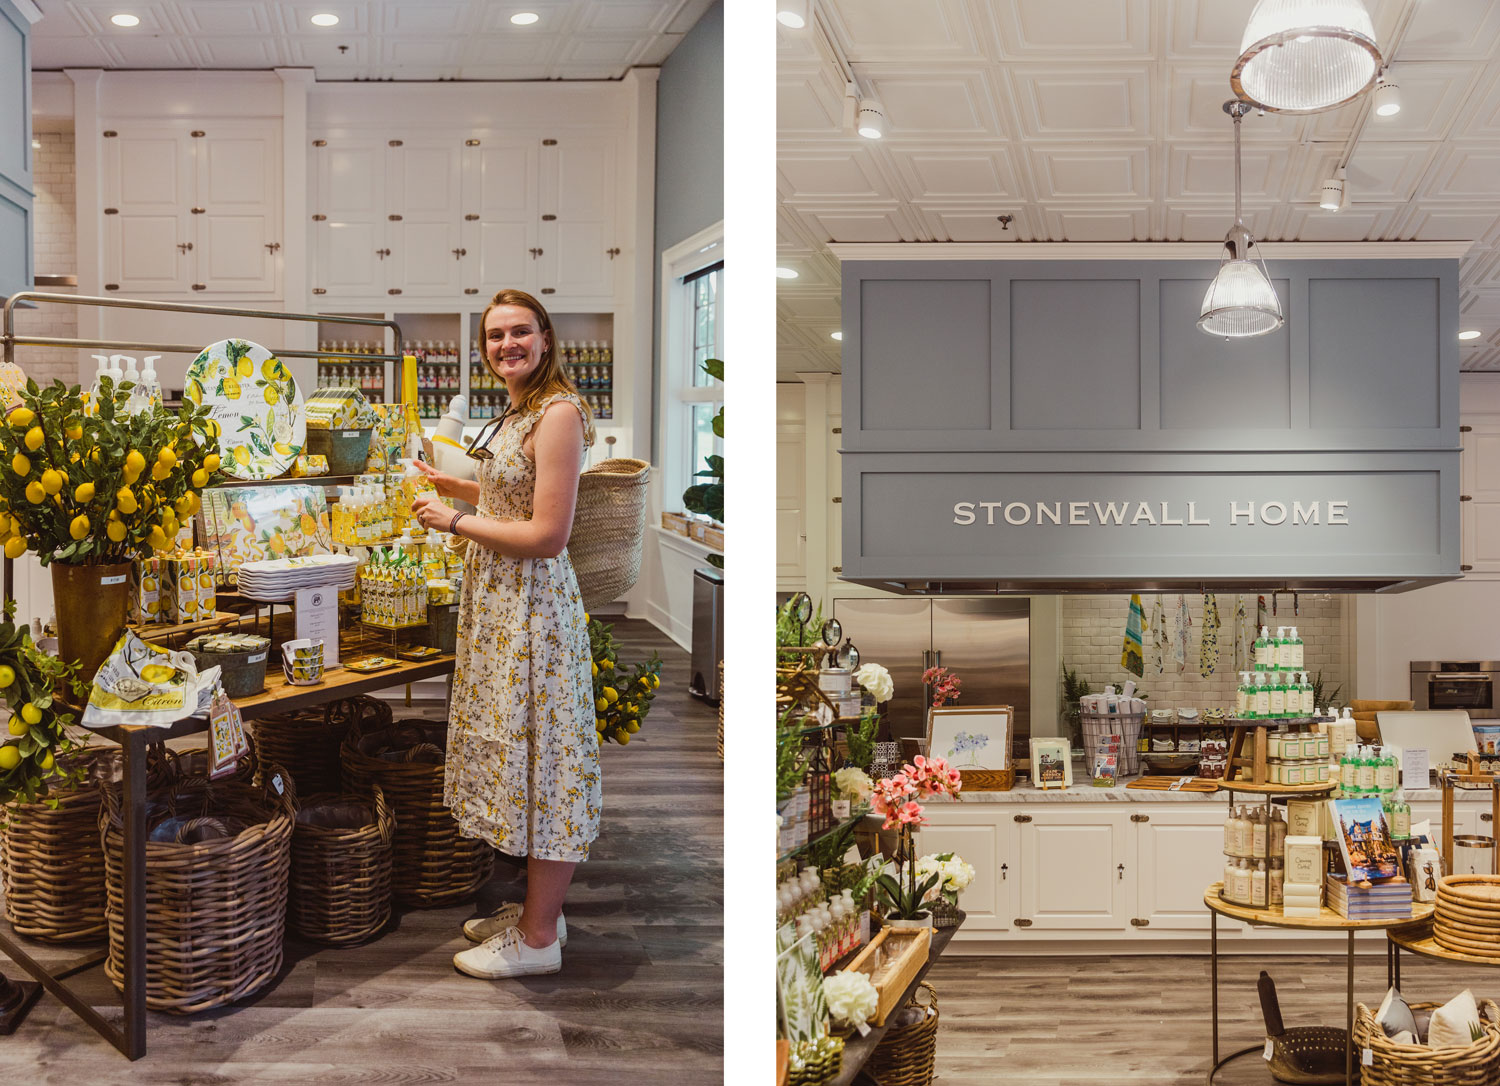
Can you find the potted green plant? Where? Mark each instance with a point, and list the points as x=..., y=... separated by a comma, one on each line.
x=1074, y=688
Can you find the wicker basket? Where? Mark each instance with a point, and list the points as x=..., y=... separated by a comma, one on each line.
x=432, y=863
x=341, y=867
x=905, y=1055
x=216, y=909
x=720, y=739
x=609, y=529
x=309, y=742
x=1417, y=1065
x=51, y=861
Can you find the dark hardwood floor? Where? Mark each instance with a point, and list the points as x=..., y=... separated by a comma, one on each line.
x=1096, y=1021
x=640, y=997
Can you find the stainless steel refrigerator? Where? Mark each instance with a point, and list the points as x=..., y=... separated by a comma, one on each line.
x=985, y=642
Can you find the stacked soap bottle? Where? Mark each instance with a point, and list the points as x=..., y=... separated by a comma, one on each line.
x=1278, y=688
x=1254, y=847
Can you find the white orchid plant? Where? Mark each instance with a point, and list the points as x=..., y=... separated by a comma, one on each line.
x=953, y=873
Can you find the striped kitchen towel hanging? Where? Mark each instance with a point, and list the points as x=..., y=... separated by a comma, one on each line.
x=1132, y=657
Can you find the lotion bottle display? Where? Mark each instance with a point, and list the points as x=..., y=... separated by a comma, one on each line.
x=1278, y=697
x=1258, y=885
x=1262, y=695
x=1295, y=651
x=1263, y=649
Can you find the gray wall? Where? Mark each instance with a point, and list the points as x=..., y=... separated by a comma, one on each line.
x=689, y=153
x=15, y=151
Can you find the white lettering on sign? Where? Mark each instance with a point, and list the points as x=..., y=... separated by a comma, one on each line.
x=1271, y=514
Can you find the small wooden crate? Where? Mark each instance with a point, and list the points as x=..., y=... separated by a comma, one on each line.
x=675, y=522
x=714, y=537
x=892, y=961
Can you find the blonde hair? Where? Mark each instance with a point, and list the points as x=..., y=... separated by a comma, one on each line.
x=549, y=377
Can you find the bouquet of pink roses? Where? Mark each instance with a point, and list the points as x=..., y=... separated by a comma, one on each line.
x=895, y=797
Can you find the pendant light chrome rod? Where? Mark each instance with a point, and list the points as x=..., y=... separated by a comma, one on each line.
x=1237, y=113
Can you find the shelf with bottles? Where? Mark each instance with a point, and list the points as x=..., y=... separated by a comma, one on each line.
x=344, y=365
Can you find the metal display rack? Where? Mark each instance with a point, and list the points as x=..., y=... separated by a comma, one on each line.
x=133, y=739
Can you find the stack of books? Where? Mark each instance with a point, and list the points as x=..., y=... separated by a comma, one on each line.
x=1383, y=899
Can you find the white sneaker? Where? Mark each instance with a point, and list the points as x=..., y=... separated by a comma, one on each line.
x=507, y=916
x=507, y=955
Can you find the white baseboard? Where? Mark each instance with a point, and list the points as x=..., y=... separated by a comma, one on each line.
x=662, y=619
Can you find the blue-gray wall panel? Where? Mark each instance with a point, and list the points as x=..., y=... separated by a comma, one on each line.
x=1209, y=380
x=1373, y=352
x=1075, y=354
x=15, y=151
x=926, y=354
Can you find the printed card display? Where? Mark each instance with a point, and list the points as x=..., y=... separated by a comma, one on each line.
x=1364, y=838
x=252, y=523
x=226, y=727
x=1107, y=761
x=1051, y=763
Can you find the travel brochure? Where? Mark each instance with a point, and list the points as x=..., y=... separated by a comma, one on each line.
x=1364, y=839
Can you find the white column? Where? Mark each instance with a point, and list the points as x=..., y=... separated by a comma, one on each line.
x=635, y=280
x=819, y=507
x=88, y=208
x=295, y=257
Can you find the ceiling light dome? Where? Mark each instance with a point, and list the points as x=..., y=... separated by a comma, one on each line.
x=1385, y=100
x=792, y=13
x=1305, y=56
x=1241, y=301
x=871, y=119
x=124, y=19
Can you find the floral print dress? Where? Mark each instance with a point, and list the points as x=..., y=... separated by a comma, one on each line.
x=523, y=752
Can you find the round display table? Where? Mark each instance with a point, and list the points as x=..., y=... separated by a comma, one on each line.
x=1327, y=920
x=1418, y=940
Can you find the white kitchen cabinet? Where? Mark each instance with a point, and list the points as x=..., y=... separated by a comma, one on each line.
x=1480, y=484
x=985, y=837
x=577, y=235
x=500, y=199
x=348, y=210
x=1077, y=867
x=1180, y=850
x=423, y=216
x=192, y=211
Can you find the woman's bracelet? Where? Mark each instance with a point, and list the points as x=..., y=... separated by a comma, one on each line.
x=453, y=524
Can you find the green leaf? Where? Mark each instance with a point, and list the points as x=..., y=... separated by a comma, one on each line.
x=705, y=498
x=714, y=367
x=716, y=560
x=718, y=423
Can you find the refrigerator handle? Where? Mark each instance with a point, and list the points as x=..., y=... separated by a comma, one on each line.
x=937, y=656
x=926, y=659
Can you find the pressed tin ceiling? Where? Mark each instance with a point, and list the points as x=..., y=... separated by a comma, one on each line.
x=384, y=39
x=1102, y=121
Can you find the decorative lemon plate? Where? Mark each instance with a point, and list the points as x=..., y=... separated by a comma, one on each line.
x=255, y=401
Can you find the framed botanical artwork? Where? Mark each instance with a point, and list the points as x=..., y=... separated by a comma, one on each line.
x=975, y=737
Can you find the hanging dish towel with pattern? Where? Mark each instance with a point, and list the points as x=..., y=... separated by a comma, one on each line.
x=1208, y=641
x=1160, y=645
x=1132, y=657
x=1244, y=638
x=1180, y=635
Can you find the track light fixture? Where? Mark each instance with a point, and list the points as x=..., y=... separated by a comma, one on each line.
x=1335, y=194
x=1386, y=98
x=871, y=119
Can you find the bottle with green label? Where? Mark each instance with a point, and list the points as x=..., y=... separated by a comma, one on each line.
x=1367, y=761
x=1263, y=650
x=1296, y=657
x=1262, y=695
x=1401, y=816
x=1348, y=773
x=1278, y=648
x=1242, y=696
x=1278, y=695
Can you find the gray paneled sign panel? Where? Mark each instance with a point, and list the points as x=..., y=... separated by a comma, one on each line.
x=1084, y=337
x=1370, y=353
x=920, y=336
x=1208, y=382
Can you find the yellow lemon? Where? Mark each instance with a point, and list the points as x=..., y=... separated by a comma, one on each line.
x=80, y=527
x=15, y=547
x=21, y=417
x=633, y=727
x=116, y=531
x=596, y=668
x=611, y=695
x=655, y=681
x=31, y=714
x=75, y=432
x=601, y=705
x=241, y=454
x=52, y=480
x=272, y=369
x=200, y=478
x=10, y=757
x=622, y=737
x=167, y=456
x=20, y=464
x=18, y=726
x=211, y=427
x=244, y=367
x=599, y=724
x=157, y=539
x=160, y=471
x=169, y=523
x=272, y=396
x=607, y=665
x=184, y=506
x=211, y=462
x=94, y=455
x=283, y=448
x=125, y=500
x=135, y=462
x=231, y=388
x=47, y=761
x=194, y=392
x=34, y=438
x=7, y=675
x=84, y=493
x=34, y=492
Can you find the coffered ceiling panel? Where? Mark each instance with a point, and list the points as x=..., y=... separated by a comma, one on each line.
x=1466, y=173
x=807, y=106
x=845, y=175
x=1211, y=225
x=1195, y=110
x=1362, y=222
x=901, y=31
x=1206, y=28
x=1453, y=30
x=1090, y=174
x=1123, y=225
x=975, y=224
x=935, y=175
x=940, y=105
x=889, y=224
x=1060, y=104
x=1387, y=171
x=1203, y=173
x=1096, y=28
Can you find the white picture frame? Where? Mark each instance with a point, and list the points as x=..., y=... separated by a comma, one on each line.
x=972, y=737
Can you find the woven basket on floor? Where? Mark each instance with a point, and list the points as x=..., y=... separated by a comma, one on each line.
x=215, y=909
x=905, y=1055
x=433, y=864
x=1395, y=1064
x=720, y=743
x=51, y=862
x=609, y=529
x=341, y=867
x=308, y=743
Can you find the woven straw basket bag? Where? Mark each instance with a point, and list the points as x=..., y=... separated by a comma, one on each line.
x=609, y=529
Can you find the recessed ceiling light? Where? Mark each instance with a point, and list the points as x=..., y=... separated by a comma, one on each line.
x=325, y=18
x=125, y=20
x=837, y=335
x=1471, y=333
x=524, y=18
x=792, y=13
x=786, y=273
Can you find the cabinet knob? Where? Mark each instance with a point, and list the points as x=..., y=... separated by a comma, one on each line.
x=612, y=253
x=1021, y=818
x=111, y=211
x=471, y=290
x=273, y=246
x=1466, y=497
x=198, y=133
x=393, y=218
x=320, y=143
x=319, y=218
x=471, y=218
x=1465, y=429
x=393, y=143
x=394, y=290
x=111, y=286
x=549, y=290
x=1140, y=922
x=1140, y=818
x=200, y=286
x=838, y=569
x=1022, y=922
x=838, y=501
x=471, y=143
x=319, y=290
x=198, y=210
x=549, y=218
x=1464, y=569
x=1486, y=817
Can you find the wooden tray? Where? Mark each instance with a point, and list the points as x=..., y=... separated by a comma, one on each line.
x=895, y=976
x=1164, y=784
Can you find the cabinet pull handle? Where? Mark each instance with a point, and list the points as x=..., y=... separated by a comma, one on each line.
x=1022, y=922
x=111, y=211
x=534, y=253
x=549, y=218
x=1122, y=872
x=1004, y=870
x=1466, y=497
x=198, y=133
x=471, y=143
x=393, y=143
x=382, y=253
x=471, y=218
x=1140, y=922
x=273, y=246
x=319, y=290
x=460, y=253
x=393, y=218
x=838, y=501
x=319, y=218
x=111, y=286
x=1486, y=817
x=549, y=143
x=198, y=210
x=838, y=569
x=549, y=290
x=185, y=247
x=199, y=286
x=1021, y=818
x=320, y=143
x=471, y=290
x=110, y=133
x=612, y=253
x=1464, y=569
x=1140, y=818
x=1461, y=429
x=394, y=290
x=838, y=429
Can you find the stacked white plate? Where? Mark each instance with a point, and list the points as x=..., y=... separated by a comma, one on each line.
x=277, y=580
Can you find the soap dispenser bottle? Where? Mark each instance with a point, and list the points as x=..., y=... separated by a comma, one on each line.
x=97, y=388
x=1263, y=649
x=1277, y=695
x=1279, y=648
x=146, y=396
x=1262, y=696
x=1295, y=653
x=1242, y=696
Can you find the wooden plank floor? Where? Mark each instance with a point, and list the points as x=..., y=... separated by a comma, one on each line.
x=640, y=996
x=1034, y=1021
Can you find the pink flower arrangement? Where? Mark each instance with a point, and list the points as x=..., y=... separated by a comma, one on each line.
x=895, y=797
x=944, y=685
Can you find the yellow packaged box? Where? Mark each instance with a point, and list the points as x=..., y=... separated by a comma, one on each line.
x=147, y=595
x=192, y=591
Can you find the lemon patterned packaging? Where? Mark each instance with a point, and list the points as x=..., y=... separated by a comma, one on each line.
x=252, y=523
x=341, y=408
x=147, y=597
x=193, y=595
x=388, y=443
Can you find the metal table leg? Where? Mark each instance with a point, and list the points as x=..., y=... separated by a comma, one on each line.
x=1213, y=968
x=135, y=895
x=1349, y=1018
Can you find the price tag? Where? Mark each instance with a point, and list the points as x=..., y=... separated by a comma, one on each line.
x=276, y=784
x=256, y=658
x=106, y=581
x=1366, y=1058
x=1269, y=1049
x=864, y=1029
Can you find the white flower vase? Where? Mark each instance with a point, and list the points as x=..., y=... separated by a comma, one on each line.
x=916, y=924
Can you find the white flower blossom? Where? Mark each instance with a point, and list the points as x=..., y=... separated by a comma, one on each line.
x=877, y=680
x=955, y=874
x=851, y=997
x=853, y=783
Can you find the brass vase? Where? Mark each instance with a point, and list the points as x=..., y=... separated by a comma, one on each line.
x=92, y=604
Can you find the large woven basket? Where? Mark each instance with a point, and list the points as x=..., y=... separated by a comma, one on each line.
x=609, y=529
x=51, y=862
x=1395, y=1064
x=308, y=743
x=216, y=909
x=433, y=864
x=341, y=867
x=905, y=1055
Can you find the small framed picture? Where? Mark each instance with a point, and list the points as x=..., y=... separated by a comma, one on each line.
x=974, y=737
x=1051, y=763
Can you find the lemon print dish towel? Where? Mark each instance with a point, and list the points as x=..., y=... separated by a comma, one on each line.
x=252, y=396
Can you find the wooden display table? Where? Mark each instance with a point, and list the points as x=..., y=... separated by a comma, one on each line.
x=1326, y=920
x=279, y=697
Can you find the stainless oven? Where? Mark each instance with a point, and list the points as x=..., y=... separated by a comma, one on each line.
x=1456, y=684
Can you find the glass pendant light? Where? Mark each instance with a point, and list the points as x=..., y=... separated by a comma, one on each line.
x=1305, y=56
x=1241, y=300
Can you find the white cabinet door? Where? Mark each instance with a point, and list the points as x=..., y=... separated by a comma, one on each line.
x=348, y=236
x=577, y=211
x=423, y=182
x=985, y=838
x=1078, y=867
x=237, y=210
x=501, y=214
x=1180, y=853
x=148, y=196
x=1480, y=483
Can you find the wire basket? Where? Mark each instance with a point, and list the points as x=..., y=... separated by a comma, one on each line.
x=1126, y=725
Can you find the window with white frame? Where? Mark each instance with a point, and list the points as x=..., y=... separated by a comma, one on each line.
x=692, y=333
